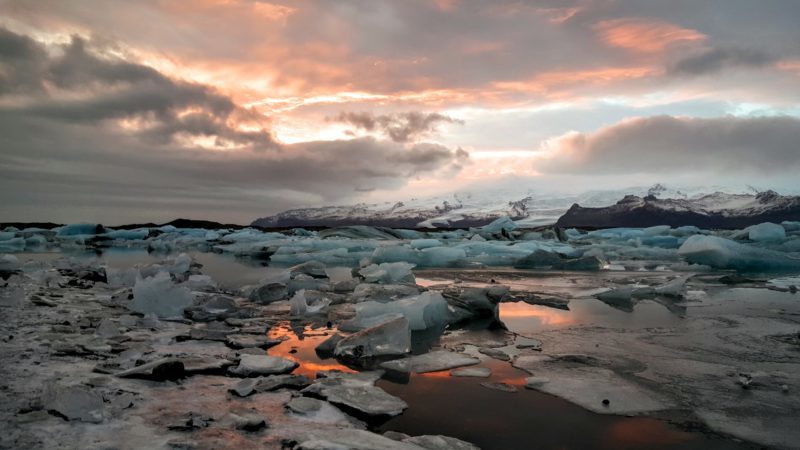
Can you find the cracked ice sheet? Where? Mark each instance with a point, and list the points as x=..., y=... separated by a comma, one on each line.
x=588, y=387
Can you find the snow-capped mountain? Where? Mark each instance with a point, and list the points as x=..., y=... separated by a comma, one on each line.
x=528, y=208
x=717, y=210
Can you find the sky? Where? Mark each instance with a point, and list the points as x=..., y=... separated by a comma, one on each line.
x=120, y=111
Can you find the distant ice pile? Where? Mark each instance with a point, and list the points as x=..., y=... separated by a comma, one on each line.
x=382, y=255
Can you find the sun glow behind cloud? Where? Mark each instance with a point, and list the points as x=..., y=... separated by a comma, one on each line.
x=518, y=84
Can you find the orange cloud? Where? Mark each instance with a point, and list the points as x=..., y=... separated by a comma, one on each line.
x=644, y=35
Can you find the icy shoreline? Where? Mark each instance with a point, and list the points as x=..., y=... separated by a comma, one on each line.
x=115, y=350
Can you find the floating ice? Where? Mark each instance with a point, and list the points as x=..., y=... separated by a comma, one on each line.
x=431, y=362
x=160, y=296
x=390, y=338
x=423, y=311
x=766, y=232
x=500, y=225
x=397, y=272
x=726, y=254
x=80, y=229
x=299, y=305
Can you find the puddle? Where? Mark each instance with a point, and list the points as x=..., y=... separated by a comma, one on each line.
x=462, y=408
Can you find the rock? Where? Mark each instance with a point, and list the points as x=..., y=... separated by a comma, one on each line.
x=471, y=302
x=107, y=329
x=162, y=369
x=476, y=372
x=505, y=387
x=269, y=293
x=431, y=362
x=274, y=382
x=218, y=307
x=248, y=421
x=304, y=405
x=390, y=338
x=41, y=301
x=522, y=342
x=438, y=442
x=254, y=365
x=74, y=403
x=244, y=387
x=190, y=422
x=325, y=348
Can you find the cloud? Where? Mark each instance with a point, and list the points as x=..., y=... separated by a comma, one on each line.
x=400, y=127
x=666, y=144
x=717, y=59
x=82, y=129
x=645, y=35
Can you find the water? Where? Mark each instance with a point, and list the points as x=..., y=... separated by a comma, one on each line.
x=461, y=407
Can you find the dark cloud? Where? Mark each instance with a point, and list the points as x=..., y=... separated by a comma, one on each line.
x=90, y=134
x=717, y=59
x=664, y=144
x=400, y=127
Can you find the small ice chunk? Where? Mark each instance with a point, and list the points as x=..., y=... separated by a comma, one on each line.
x=254, y=365
x=9, y=263
x=160, y=296
x=396, y=272
x=299, y=305
x=499, y=225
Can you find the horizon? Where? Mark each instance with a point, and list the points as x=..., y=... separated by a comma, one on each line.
x=133, y=112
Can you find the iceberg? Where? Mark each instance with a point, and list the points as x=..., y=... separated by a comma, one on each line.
x=389, y=338
x=726, y=254
x=423, y=311
x=766, y=232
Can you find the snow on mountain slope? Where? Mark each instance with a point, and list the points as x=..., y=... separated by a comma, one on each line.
x=465, y=209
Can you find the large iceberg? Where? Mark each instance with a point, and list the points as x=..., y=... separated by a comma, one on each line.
x=726, y=254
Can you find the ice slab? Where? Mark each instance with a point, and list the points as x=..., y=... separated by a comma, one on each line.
x=431, y=362
x=597, y=389
x=357, y=391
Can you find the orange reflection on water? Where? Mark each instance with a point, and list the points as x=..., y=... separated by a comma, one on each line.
x=303, y=350
x=544, y=314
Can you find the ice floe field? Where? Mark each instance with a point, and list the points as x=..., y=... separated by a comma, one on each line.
x=364, y=337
